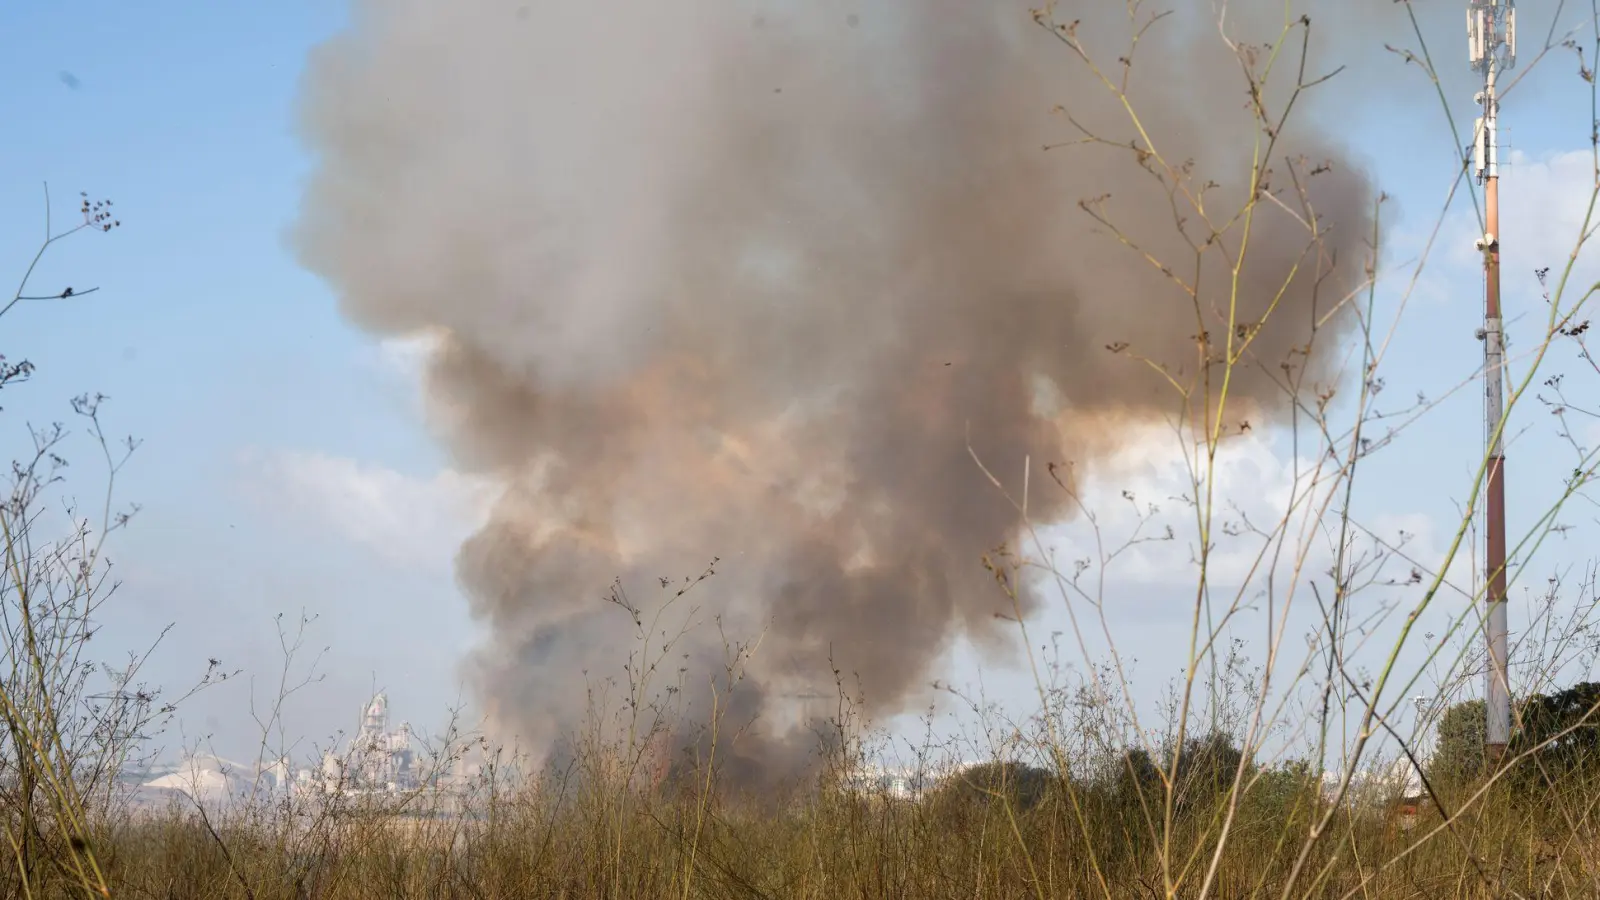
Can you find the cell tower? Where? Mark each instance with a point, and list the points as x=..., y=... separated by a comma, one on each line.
x=1492, y=49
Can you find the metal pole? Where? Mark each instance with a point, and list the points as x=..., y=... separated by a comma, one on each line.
x=1494, y=23
x=1499, y=688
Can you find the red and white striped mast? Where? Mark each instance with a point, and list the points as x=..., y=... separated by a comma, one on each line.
x=1491, y=35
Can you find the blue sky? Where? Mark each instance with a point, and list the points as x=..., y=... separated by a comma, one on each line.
x=285, y=462
x=212, y=343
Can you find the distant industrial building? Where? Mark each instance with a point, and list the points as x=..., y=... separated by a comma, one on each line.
x=902, y=782
x=376, y=761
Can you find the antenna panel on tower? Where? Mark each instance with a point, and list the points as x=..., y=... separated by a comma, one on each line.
x=1511, y=34
x=1480, y=136
x=1475, y=35
x=1492, y=149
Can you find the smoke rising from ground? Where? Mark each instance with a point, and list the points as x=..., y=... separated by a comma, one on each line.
x=745, y=279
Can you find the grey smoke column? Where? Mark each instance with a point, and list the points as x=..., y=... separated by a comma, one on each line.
x=738, y=279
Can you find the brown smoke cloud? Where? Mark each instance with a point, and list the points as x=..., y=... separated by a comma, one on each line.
x=738, y=278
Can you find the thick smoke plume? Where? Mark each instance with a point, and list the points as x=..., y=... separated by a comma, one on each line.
x=747, y=279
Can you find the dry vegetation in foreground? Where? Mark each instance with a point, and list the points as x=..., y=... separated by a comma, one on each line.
x=1000, y=829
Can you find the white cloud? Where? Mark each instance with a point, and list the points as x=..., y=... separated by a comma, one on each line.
x=1258, y=486
x=1544, y=201
x=1254, y=484
x=401, y=360
x=406, y=356
x=407, y=519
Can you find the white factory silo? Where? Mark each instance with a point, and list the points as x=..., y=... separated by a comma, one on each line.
x=376, y=759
